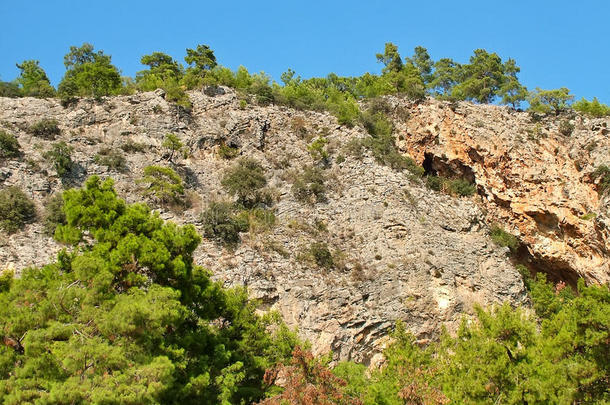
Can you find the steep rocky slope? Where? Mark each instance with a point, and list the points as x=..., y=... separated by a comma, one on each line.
x=532, y=178
x=404, y=251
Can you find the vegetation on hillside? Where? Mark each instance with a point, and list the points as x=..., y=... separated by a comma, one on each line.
x=126, y=317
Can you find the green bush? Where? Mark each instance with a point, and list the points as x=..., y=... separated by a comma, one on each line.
x=456, y=187
x=566, y=128
x=47, y=129
x=173, y=144
x=550, y=101
x=593, y=108
x=245, y=180
x=318, y=254
x=16, y=209
x=461, y=187
x=54, y=213
x=134, y=147
x=60, y=156
x=111, y=158
x=163, y=184
x=258, y=219
x=504, y=239
x=9, y=146
x=309, y=185
x=317, y=149
x=129, y=318
x=221, y=223
x=227, y=152
x=603, y=173
x=88, y=74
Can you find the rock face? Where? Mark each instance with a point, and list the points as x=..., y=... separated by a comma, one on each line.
x=401, y=250
x=534, y=180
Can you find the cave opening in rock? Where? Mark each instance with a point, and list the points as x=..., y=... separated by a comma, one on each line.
x=428, y=165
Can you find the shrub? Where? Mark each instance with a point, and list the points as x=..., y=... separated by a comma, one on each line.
x=382, y=144
x=550, y=101
x=245, y=180
x=16, y=209
x=222, y=224
x=54, y=213
x=60, y=157
x=461, y=187
x=317, y=149
x=309, y=185
x=593, y=108
x=258, y=219
x=163, y=184
x=566, y=128
x=9, y=146
x=458, y=187
x=133, y=147
x=503, y=238
x=603, y=173
x=47, y=129
x=227, y=152
x=318, y=252
x=111, y=158
x=172, y=143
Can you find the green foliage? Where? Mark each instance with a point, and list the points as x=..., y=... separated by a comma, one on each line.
x=457, y=187
x=88, y=74
x=134, y=147
x=222, y=223
x=54, y=213
x=504, y=239
x=16, y=209
x=9, y=89
x=245, y=180
x=227, y=152
x=481, y=79
x=45, y=128
x=33, y=80
x=603, y=174
x=60, y=156
x=9, y=146
x=382, y=144
x=318, y=252
x=390, y=58
x=163, y=73
x=200, y=61
x=129, y=318
x=172, y=143
x=550, y=101
x=317, y=149
x=566, y=128
x=163, y=184
x=502, y=356
x=309, y=185
x=593, y=108
x=111, y=158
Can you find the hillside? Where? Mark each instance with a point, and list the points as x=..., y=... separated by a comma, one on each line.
x=399, y=249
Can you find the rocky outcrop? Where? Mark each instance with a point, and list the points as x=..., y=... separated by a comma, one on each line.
x=534, y=180
x=401, y=250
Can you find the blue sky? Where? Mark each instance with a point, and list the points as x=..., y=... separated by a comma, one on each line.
x=556, y=43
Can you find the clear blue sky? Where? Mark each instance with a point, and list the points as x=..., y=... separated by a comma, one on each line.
x=556, y=43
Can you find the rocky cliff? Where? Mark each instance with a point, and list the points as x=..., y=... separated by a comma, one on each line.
x=403, y=251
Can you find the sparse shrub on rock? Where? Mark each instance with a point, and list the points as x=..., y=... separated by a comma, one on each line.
x=309, y=185
x=16, y=209
x=46, y=129
x=221, y=223
x=60, y=156
x=163, y=184
x=245, y=180
x=9, y=146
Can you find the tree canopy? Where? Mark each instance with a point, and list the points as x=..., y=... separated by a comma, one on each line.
x=126, y=317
